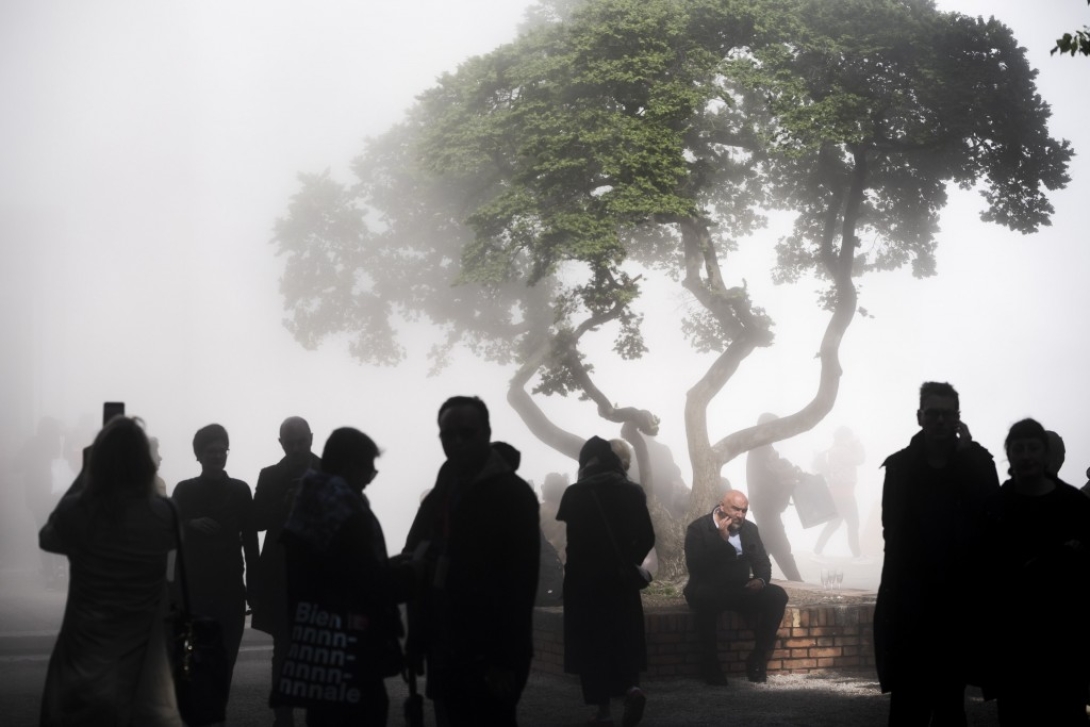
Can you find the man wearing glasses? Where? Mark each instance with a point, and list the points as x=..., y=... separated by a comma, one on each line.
x=933, y=503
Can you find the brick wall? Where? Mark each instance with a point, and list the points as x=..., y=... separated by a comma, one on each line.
x=811, y=639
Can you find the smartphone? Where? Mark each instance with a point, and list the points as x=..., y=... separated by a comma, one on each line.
x=111, y=409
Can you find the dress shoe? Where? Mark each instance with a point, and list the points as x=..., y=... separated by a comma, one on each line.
x=756, y=669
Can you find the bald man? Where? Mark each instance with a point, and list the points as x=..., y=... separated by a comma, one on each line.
x=276, y=487
x=729, y=570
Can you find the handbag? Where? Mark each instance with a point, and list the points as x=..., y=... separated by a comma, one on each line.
x=631, y=575
x=813, y=501
x=198, y=658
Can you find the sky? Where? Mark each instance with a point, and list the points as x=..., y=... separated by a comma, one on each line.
x=148, y=149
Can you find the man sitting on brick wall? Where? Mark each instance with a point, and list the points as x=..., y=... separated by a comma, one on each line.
x=729, y=570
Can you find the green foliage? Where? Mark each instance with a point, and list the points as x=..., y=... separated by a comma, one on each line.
x=525, y=194
x=1074, y=43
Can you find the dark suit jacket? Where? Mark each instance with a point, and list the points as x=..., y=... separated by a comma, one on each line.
x=715, y=567
x=273, y=499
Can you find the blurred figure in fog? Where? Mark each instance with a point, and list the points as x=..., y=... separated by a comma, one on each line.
x=109, y=665
x=928, y=641
x=1042, y=673
x=160, y=485
x=277, y=486
x=218, y=526
x=34, y=464
x=770, y=480
x=609, y=534
x=838, y=465
x=553, y=530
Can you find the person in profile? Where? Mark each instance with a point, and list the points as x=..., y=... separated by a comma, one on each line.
x=1041, y=676
x=342, y=593
x=216, y=512
x=277, y=486
x=839, y=465
x=770, y=480
x=933, y=522
x=729, y=570
x=609, y=535
x=477, y=534
x=109, y=665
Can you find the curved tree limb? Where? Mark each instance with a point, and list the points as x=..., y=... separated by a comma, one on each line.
x=829, y=354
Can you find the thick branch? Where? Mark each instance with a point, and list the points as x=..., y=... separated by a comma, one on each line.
x=843, y=311
x=538, y=422
x=531, y=414
x=730, y=306
x=645, y=421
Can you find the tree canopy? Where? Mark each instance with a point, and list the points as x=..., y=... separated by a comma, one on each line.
x=525, y=196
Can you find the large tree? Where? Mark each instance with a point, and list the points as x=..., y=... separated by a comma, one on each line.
x=525, y=196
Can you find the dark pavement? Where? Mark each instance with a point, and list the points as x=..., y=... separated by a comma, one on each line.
x=31, y=615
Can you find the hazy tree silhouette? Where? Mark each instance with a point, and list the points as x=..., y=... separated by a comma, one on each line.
x=526, y=195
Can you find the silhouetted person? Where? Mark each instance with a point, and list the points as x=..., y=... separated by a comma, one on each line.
x=160, y=485
x=770, y=480
x=34, y=463
x=609, y=534
x=839, y=465
x=479, y=529
x=109, y=665
x=342, y=594
x=729, y=570
x=218, y=529
x=276, y=489
x=1042, y=543
x=926, y=623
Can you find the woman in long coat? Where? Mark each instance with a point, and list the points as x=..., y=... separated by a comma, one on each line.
x=609, y=535
x=109, y=665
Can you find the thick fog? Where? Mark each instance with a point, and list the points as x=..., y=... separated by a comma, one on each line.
x=148, y=149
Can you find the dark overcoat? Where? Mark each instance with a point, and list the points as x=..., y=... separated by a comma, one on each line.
x=482, y=540
x=934, y=525
x=603, y=614
x=273, y=498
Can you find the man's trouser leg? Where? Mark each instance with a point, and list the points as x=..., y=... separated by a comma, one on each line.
x=776, y=543
x=763, y=612
x=705, y=618
x=937, y=702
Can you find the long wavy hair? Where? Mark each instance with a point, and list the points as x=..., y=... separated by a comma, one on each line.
x=120, y=462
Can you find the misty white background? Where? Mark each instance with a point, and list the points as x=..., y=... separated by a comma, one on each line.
x=146, y=150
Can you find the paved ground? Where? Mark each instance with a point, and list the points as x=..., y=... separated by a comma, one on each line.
x=30, y=616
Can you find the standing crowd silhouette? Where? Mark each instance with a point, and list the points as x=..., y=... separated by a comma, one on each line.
x=980, y=584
